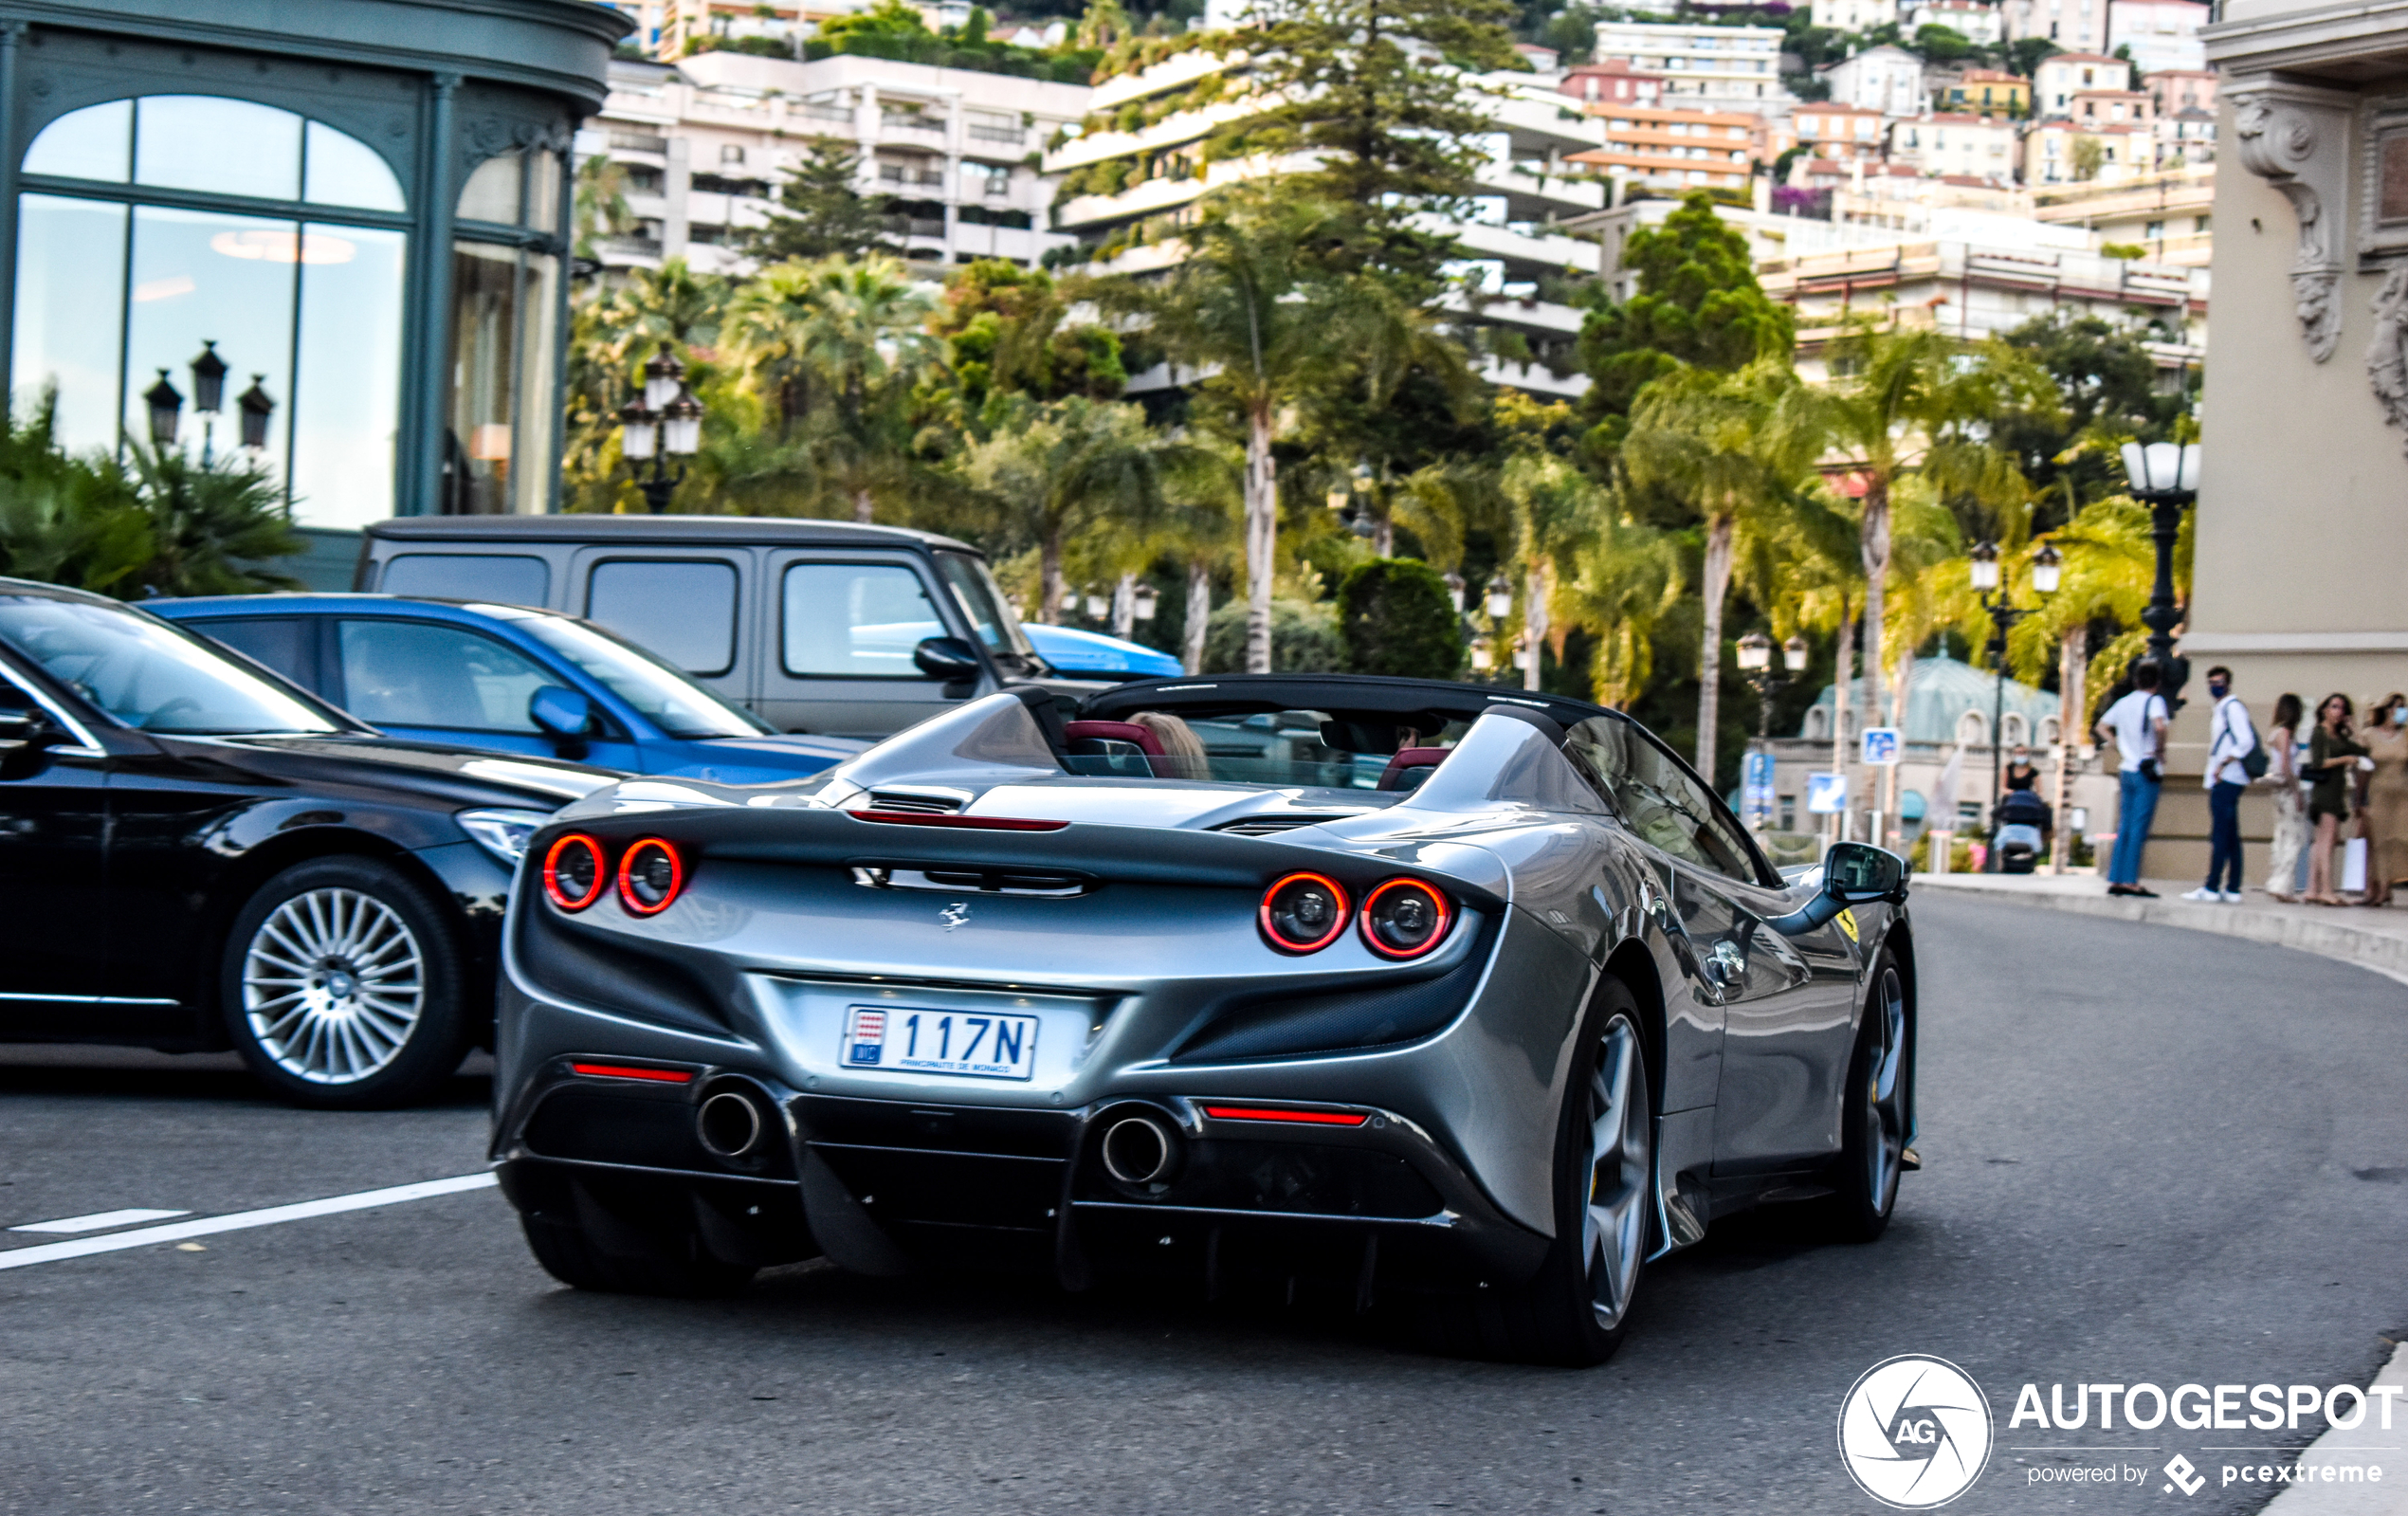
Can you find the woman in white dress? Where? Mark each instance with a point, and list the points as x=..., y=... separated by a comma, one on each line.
x=2290, y=802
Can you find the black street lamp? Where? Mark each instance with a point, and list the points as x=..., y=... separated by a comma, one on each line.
x=666, y=423
x=256, y=407
x=1756, y=663
x=167, y=407
x=2047, y=565
x=2165, y=477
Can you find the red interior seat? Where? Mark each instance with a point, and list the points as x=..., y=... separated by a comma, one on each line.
x=1407, y=759
x=1145, y=741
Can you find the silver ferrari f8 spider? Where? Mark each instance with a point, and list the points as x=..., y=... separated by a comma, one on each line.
x=1475, y=1000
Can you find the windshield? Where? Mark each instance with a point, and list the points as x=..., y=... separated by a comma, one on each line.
x=148, y=675
x=672, y=702
x=974, y=590
x=1271, y=750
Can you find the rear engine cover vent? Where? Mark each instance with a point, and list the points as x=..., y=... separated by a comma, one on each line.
x=1265, y=826
x=927, y=805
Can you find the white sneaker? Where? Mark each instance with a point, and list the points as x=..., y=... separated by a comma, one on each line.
x=2203, y=893
x=2232, y=897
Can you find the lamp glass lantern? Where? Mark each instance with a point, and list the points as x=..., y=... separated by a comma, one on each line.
x=1484, y=655
x=2048, y=569
x=1097, y=606
x=1339, y=496
x=639, y=434
x=1986, y=567
x=256, y=407
x=1499, y=595
x=209, y=380
x=2162, y=467
x=664, y=379
x=1455, y=589
x=1145, y=602
x=681, y=426
x=1755, y=653
x=167, y=408
x=1796, y=654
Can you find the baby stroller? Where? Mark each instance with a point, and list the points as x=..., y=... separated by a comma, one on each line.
x=2019, y=836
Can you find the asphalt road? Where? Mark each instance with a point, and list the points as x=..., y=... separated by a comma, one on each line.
x=2149, y=1155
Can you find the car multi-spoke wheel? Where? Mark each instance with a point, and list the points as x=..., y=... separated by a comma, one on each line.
x=1577, y=1308
x=1615, y=1218
x=333, y=985
x=342, y=984
x=1878, y=1104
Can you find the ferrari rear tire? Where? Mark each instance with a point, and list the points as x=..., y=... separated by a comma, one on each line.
x=1873, y=1115
x=1576, y=1311
x=575, y=1259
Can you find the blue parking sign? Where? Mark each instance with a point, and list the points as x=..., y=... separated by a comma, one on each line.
x=1826, y=794
x=1881, y=746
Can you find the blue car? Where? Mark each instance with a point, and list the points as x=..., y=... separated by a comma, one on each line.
x=507, y=679
x=1093, y=655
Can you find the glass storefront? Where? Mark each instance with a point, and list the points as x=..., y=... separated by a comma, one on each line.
x=505, y=304
x=113, y=292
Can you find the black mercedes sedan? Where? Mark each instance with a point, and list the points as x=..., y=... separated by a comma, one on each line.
x=195, y=855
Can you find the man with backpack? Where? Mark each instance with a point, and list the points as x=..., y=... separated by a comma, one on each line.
x=2234, y=756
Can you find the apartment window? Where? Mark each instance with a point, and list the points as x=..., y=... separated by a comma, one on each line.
x=2154, y=230
x=730, y=152
x=2198, y=224
x=998, y=181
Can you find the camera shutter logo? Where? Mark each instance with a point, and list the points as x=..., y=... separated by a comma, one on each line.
x=1915, y=1432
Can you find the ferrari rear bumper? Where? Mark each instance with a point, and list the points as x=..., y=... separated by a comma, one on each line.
x=1217, y=1187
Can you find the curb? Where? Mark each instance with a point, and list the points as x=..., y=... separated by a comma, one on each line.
x=2334, y=1446
x=2383, y=953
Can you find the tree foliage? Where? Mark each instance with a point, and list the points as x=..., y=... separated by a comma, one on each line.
x=1007, y=330
x=2106, y=385
x=820, y=211
x=1395, y=619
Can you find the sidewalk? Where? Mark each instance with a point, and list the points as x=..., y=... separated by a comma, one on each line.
x=2374, y=938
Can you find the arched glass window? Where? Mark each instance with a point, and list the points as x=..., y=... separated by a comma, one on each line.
x=1818, y=724
x=304, y=307
x=2011, y=728
x=2049, y=730
x=505, y=285
x=1973, y=730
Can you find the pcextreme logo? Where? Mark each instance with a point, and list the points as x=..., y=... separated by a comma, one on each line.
x=1915, y=1432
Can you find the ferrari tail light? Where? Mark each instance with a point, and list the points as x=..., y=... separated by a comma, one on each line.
x=1405, y=918
x=573, y=874
x=650, y=874
x=1304, y=913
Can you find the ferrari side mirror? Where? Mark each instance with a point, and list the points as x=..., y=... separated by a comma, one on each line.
x=947, y=658
x=1857, y=872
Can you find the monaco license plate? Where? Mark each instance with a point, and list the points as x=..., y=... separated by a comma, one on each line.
x=916, y=1040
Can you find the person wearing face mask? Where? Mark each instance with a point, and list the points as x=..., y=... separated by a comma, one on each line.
x=2386, y=742
x=2231, y=740
x=2333, y=752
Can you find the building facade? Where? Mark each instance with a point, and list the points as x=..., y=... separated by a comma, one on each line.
x=1841, y=132
x=360, y=210
x=1610, y=83
x=704, y=144
x=1978, y=147
x=2059, y=78
x=1883, y=78
x=1675, y=149
x=1852, y=15
x=1987, y=92
x=2076, y=25
x=2301, y=544
x=1977, y=21
x=2159, y=34
x=2169, y=214
x=1715, y=68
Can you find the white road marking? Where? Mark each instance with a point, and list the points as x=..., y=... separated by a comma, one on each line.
x=99, y=1220
x=242, y=1220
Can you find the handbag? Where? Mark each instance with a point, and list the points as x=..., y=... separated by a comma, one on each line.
x=2353, y=866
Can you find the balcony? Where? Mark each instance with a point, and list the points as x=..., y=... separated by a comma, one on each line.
x=1534, y=379
x=1544, y=318
x=1483, y=240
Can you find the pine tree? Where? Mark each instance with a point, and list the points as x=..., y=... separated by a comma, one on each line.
x=820, y=213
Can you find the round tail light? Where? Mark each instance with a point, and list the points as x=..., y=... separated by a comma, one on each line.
x=574, y=873
x=1304, y=913
x=650, y=876
x=1405, y=918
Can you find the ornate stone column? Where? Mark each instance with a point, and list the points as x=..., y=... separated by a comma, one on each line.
x=2296, y=138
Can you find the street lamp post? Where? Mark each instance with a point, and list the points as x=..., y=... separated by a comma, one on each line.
x=2165, y=477
x=209, y=397
x=2046, y=567
x=1756, y=663
x=666, y=423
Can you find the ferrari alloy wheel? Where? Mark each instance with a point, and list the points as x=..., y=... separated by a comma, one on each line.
x=342, y=985
x=1577, y=1308
x=1873, y=1141
x=1614, y=1220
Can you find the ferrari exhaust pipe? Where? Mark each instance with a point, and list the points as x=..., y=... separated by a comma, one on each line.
x=731, y=1124
x=1140, y=1150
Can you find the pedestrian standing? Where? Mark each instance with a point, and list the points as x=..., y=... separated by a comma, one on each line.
x=2333, y=753
x=2386, y=799
x=2291, y=800
x=2136, y=724
x=2230, y=739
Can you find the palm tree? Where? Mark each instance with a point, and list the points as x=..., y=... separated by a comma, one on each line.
x=1709, y=439
x=1907, y=403
x=1253, y=314
x=1069, y=468
x=1618, y=579
x=1548, y=506
x=833, y=347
